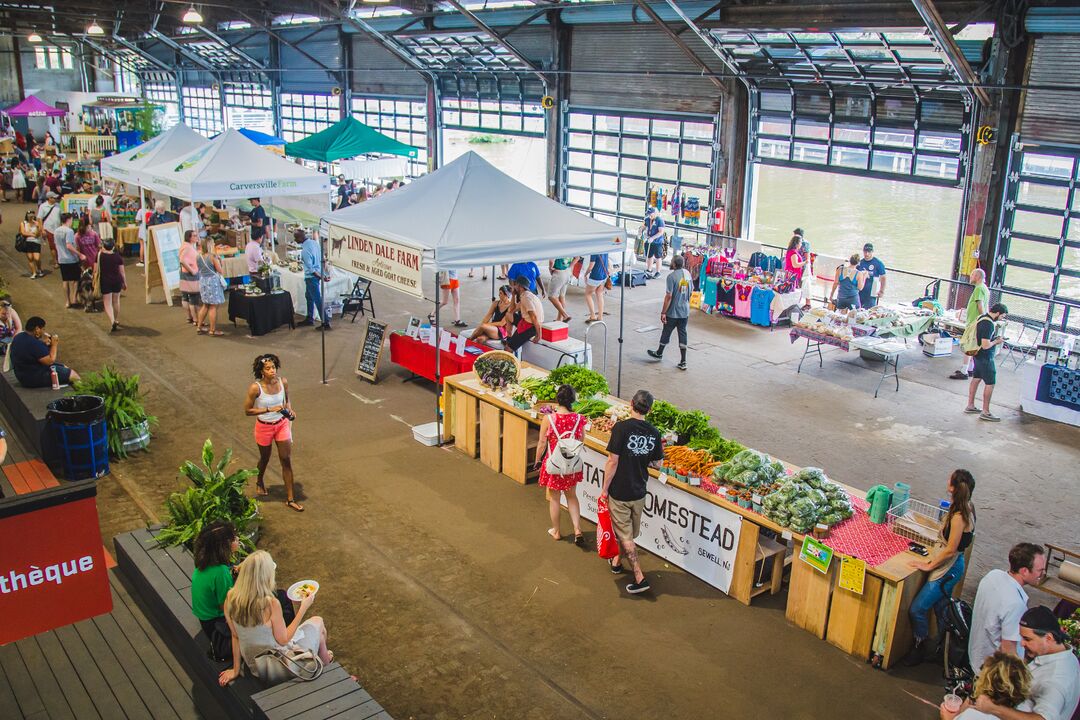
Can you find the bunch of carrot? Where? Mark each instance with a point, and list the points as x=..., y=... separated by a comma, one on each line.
x=695, y=462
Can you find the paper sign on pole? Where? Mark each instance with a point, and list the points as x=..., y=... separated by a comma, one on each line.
x=687, y=531
x=852, y=574
x=816, y=554
x=384, y=262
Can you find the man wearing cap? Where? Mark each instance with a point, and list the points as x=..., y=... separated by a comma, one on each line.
x=1000, y=601
x=48, y=215
x=654, y=242
x=1055, y=671
x=874, y=288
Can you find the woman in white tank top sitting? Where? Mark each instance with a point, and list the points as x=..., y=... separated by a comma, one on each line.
x=257, y=625
x=268, y=400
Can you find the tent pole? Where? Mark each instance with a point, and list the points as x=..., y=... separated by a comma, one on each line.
x=322, y=304
x=492, y=283
x=622, y=315
x=438, y=365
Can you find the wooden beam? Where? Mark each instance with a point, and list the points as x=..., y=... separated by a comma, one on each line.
x=953, y=54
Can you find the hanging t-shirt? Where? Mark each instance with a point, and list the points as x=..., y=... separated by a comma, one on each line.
x=742, y=300
x=761, y=307
x=725, y=297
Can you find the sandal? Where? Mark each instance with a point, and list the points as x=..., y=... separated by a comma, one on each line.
x=579, y=539
x=216, y=333
x=294, y=505
x=201, y=331
x=554, y=534
x=260, y=490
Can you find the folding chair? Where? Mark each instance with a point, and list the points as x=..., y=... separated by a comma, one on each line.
x=1021, y=339
x=354, y=301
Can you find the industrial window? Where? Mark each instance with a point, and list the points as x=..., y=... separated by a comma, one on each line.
x=53, y=59
x=613, y=161
x=304, y=114
x=895, y=135
x=248, y=105
x=202, y=110
x=1039, y=244
x=403, y=119
x=509, y=106
x=165, y=95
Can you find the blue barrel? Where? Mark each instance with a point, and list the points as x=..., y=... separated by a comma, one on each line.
x=78, y=424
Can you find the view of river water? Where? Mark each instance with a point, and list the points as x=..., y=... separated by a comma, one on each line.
x=912, y=226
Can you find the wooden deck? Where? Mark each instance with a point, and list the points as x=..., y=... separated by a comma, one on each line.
x=112, y=666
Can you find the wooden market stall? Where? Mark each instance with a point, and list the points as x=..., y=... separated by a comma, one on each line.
x=485, y=425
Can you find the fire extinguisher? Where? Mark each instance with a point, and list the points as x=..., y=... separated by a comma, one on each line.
x=718, y=218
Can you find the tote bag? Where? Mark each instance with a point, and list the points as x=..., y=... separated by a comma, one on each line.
x=606, y=544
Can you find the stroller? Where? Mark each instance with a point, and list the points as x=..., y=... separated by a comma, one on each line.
x=955, y=620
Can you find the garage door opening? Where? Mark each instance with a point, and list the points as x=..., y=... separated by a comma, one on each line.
x=913, y=226
x=522, y=158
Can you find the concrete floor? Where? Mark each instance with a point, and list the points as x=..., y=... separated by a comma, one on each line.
x=441, y=589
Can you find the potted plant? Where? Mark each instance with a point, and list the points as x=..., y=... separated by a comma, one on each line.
x=126, y=419
x=213, y=495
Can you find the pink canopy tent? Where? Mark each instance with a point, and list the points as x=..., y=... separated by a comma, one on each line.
x=34, y=107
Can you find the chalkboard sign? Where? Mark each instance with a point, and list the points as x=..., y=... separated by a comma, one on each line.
x=367, y=360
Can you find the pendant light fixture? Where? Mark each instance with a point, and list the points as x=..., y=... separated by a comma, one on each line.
x=193, y=16
x=34, y=37
x=94, y=28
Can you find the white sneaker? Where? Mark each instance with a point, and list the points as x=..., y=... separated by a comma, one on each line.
x=140, y=264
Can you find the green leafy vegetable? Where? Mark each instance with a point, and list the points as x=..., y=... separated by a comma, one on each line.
x=591, y=408
x=585, y=382
x=663, y=416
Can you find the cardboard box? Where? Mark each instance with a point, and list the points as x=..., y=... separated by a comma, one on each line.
x=937, y=345
x=554, y=331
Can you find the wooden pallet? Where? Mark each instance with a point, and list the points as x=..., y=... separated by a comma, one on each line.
x=162, y=579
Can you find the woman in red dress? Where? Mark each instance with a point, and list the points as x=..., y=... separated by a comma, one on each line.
x=561, y=422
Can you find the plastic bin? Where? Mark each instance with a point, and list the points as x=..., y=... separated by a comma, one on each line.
x=78, y=425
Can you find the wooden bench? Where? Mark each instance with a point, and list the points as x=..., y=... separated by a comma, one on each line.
x=26, y=407
x=162, y=578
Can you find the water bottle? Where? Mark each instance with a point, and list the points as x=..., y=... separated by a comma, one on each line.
x=55, y=379
x=943, y=509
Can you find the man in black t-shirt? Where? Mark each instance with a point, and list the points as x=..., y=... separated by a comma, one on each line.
x=985, y=370
x=258, y=220
x=634, y=445
x=33, y=357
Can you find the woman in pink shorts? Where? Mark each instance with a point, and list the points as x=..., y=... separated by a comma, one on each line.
x=268, y=400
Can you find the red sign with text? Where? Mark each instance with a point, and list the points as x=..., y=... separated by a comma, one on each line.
x=52, y=569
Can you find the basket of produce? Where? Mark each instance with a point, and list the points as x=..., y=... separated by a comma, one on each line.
x=497, y=369
x=602, y=425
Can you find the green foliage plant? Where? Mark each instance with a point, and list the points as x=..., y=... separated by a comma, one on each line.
x=124, y=406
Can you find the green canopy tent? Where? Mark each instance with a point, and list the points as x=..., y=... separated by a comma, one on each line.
x=345, y=139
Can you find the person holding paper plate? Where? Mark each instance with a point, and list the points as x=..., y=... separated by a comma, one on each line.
x=258, y=626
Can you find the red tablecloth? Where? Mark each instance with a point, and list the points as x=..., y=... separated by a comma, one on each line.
x=419, y=357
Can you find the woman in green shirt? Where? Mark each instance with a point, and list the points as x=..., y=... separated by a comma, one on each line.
x=214, y=548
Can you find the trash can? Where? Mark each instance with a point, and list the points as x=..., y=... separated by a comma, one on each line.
x=78, y=425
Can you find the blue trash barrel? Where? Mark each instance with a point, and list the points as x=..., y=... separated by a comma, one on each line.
x=78, y=424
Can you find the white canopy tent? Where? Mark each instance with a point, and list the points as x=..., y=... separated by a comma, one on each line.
x=463, y=215
x=466, y=214
x=232, y=167
x=129, y=165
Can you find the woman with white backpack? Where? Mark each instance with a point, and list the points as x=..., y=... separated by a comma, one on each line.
x=561, y=459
